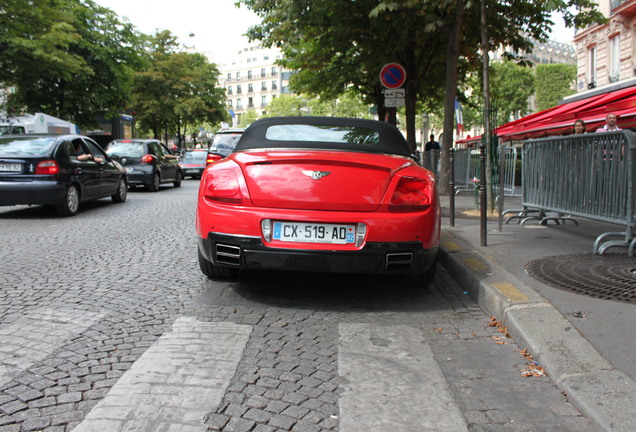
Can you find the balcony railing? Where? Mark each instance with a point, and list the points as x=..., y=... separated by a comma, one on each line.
x=617, y=3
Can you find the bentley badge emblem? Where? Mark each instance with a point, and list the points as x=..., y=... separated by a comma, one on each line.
x=316, y=175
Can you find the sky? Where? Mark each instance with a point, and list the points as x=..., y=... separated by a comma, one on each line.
x=217, y=26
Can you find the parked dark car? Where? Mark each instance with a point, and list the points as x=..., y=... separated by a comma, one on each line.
x=147, y=162
x=193, y=163
x=223, y=144
x=58, y=170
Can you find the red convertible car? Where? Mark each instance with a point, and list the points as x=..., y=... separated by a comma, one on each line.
x=319, y=194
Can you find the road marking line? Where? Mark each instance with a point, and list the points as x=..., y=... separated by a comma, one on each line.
x=36, y=335
x=392, y=382
x=511, y=292
x=475, y=264
x=451, y=246
x=175, y=383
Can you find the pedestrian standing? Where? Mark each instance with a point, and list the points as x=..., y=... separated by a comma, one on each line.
x=610, y=124
x=432, y=144
x=579, y=127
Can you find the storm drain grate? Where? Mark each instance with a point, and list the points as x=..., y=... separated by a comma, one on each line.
x=609, y=276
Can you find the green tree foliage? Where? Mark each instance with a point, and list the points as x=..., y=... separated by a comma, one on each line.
x=176, y=90
x=338, y=44
x=247, y=118
x=553, y=83
x=69, y=58
x=348, y=105
x=511, y=86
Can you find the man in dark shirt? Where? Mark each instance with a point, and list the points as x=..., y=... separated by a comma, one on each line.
x=432, y=144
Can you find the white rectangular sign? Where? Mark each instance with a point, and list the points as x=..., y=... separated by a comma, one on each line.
x=393, y=102
x=394, y=93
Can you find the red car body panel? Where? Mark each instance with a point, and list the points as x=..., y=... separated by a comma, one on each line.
x=319, y=186
x=352, y=182
x=303, y=199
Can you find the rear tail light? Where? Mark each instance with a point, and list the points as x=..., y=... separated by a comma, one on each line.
x=222, y=185
x=212, y=158
x=147, y=158
x=48, y=167
x=412, y=194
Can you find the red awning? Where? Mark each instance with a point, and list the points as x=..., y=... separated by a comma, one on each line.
x=560, y=119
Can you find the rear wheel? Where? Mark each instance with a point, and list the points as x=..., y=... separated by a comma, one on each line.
x=177, y=180
x=155, y=183
x=70, y=203
x=425, y=278
x=122, y=191
x=213, y=271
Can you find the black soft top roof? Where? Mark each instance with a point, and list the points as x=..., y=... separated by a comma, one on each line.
x=379, y=137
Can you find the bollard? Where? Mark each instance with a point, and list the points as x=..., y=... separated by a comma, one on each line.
x=482, y=196
x=451, y=160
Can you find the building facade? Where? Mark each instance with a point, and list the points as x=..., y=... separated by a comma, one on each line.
x=252, y=80
x=606, y=52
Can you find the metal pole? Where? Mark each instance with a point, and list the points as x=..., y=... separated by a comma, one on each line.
x=451, y=155
x=502, y=161
x=482, y=195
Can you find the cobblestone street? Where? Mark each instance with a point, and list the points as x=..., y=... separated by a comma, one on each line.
x=107, y=324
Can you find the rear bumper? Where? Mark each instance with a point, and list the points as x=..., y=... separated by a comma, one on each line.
x=31, y=193
x=140, y=174
x=246, y=252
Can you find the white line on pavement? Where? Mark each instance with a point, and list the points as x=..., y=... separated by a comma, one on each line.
x=36, y=335
x=175, y=383
x=392, y=382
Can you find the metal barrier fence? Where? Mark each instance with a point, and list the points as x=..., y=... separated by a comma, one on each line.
x=467, y=169
x=590, y=175
x=431, y=161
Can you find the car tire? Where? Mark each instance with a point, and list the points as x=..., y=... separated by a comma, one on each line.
x=70, y=203
x=212, y=271
x=177, y=180
x=155, y=183
x=122, y=191
x=425, y=278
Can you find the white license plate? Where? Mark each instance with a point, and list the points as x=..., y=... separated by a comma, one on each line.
x=10, y=167
x=129, y=170
x=314, y=232
x=191, y=171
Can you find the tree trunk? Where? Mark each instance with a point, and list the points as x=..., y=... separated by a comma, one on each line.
x=449, y=100
x=411, y=101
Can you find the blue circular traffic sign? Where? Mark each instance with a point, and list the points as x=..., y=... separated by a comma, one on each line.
x=392, y=75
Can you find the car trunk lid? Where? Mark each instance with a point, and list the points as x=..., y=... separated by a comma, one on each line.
x=318, y=180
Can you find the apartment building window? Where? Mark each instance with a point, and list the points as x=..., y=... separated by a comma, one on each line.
x=229, y=76
x=250, y=102
x=615, y=58
x=229, y=103
x=250, y=88
x=591, y=67
x=229, y=90
x=263, y=73
x=274, y=71
x=238, y=75
x=263, y=100
x=274, y=85
x=264, y=86
x=249, y=74
x=239, y=103
x=238, y=89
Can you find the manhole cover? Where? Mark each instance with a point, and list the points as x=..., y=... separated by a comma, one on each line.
x=609, y=276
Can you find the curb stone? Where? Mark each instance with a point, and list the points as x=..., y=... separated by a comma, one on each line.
x=605, y=395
